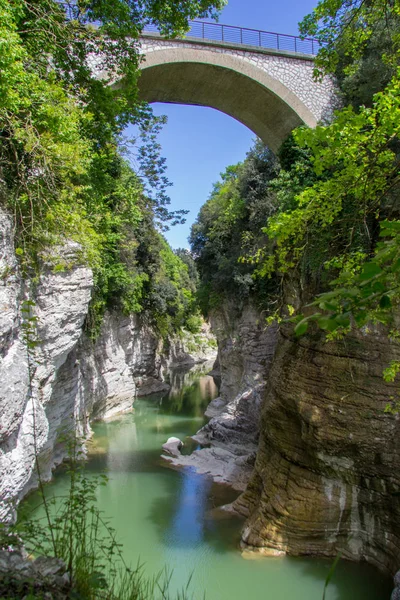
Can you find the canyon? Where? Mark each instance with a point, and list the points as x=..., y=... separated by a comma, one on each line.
x=301, y=426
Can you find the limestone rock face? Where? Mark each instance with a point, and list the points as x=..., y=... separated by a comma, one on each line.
x=28, y=424
x=327, y=473
x=396, y=592
x=245, y=350
x=13, y=360
x=246, y=346
x=98, y=380
x=119, y=363
x=190, y=348
x=13, y=367
x=61, y=305
x=73, y=380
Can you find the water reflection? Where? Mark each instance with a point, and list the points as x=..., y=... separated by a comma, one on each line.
x=190, y=391
x=187, y=524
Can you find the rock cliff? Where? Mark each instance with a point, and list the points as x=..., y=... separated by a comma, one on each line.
x=30, y=416
x=245, y=350
x=326, y=477
x=73, y=379
x=326, y=474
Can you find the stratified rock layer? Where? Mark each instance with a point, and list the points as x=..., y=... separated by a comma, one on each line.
x=327, y=473
x=30, y=422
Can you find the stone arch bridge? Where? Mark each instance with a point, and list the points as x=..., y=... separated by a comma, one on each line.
x=263, y=80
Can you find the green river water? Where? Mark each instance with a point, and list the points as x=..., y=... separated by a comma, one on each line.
x=168, y=517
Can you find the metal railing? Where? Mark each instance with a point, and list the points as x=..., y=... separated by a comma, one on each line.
x=216, y=32
x=231, y=34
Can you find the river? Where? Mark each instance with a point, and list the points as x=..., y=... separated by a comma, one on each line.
x=167, y=517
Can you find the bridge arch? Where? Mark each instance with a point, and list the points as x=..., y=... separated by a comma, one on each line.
x=224, y=81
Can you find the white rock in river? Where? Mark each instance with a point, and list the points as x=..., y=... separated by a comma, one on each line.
x=173, y=446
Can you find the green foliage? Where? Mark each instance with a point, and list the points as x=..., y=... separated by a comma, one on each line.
x=194, y=323
x=391, y=371
x=336, y=219
x=152, y=167
x=61, y=170
x=367, y=293
x=228, y=226
x=187, y=257
x=171, y=298
x=374, y=68
x=356, y=166
x=359, y=43
x=331, y=573
x=141, y=274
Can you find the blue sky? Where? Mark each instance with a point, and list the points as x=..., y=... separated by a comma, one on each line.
x=198, y=142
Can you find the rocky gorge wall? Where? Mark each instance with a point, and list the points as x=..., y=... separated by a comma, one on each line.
x=327, y=473
x=74, y=379
x=245, y=351
x=302, y=426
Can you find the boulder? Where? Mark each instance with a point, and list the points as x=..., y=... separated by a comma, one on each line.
x=173, y=446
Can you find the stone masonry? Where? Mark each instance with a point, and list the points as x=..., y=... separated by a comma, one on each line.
x=269, y=91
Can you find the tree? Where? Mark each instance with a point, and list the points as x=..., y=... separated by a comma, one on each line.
x=61, y=169
x=187, y=258
x=352, y=199
x=85, y=39
x=351, y=32
x=229, y=226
